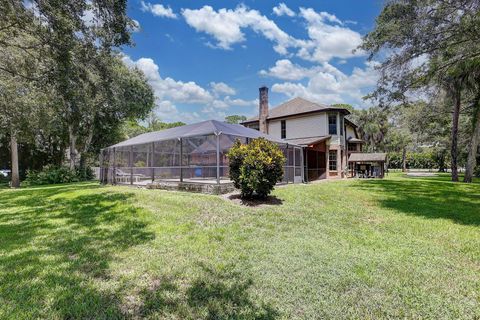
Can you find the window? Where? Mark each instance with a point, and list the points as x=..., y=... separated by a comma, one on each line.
x=254, y=126
x=283, y=129
x=352, y=147
x=332, y=124
x=332, y=160
x=341, y=126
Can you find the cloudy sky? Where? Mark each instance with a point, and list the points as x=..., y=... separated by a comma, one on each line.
x=207, y=59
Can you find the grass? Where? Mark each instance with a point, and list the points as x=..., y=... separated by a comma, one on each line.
x=394, y=248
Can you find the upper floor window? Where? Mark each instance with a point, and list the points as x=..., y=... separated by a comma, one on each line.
x=254, y=126
x=332, y=124
x=283, y=131
x=352, y=147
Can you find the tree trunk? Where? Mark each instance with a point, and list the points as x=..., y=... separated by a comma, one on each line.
x=454, y=149
x=404, y=159
x=86, y=146
x=473, y=148
x=441, y=160
x=73, y=147
x=14, y=149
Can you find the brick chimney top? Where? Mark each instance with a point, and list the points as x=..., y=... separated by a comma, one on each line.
x=263, y=109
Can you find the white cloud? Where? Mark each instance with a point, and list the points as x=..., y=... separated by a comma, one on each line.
x=221, y=88
x=240, y=102
x=168, y=88
x=329, y=85
x=283, y=10
x=284, y=69
x=158, y=10
x=226, y=25
x=169, y=92
x=327, y=41
x=327, y=36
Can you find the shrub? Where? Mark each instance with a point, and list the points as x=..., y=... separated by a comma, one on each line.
x=256, y=167
x=57, y=174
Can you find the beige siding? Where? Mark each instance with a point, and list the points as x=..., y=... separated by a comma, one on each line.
x=351, y=132
x=301, y=127
x=274, y=129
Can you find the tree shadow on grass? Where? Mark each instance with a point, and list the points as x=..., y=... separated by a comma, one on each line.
x=56, y=248
x=429, y=198
x=214, y=294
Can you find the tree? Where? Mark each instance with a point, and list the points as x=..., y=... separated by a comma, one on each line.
x=235, y=119
x=74, y=32
x=373, y=127
x=427, y=42
x=20, y=93
x=256, y=167
x=133, y=128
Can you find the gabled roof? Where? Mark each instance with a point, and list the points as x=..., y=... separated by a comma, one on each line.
x=197, y=129
x=296, y=106
x=367, y=157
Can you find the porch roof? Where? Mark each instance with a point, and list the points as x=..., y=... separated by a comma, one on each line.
x=308, y=141
x=367, y=157
x=355, y=140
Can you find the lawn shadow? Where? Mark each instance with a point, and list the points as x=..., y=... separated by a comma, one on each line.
x=254, y=202
x=428, y=197
x=214, y=294
x=57, y=244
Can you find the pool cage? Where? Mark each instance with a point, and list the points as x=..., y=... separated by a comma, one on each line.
x=193, y=153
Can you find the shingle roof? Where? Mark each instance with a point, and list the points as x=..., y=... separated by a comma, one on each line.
x=296, y=106
x=367, y=157
x=198, y=129
x=308, y=141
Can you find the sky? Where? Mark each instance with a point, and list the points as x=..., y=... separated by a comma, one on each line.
x=207, y=59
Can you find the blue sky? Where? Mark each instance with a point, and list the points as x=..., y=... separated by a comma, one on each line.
x=207, y=59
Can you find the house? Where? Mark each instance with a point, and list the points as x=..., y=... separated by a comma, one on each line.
x=328, y=138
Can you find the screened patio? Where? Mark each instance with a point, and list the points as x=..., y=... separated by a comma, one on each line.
x=193, y=153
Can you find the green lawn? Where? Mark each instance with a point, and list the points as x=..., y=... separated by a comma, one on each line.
x=393, y=248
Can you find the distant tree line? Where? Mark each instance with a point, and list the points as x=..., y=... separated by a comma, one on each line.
x=415, y=135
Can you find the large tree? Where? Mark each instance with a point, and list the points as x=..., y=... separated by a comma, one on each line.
x=422, y=44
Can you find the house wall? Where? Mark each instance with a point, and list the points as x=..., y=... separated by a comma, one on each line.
x=300, y=127
x=350, y=132
x=313, y=125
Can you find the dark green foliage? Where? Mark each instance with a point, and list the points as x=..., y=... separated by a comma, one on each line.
x=58, y=174
x=415, y=160
x=256, y=167
x=235, y=119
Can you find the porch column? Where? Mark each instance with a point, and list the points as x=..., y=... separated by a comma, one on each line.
x=339, y=162
x=181, y=160
x=152, y=164
x=218, y=158
x=114, y=168
x=131, y=164
x=305, y=162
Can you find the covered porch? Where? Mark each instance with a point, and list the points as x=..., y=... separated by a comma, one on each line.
x=315, y=155
x=367, y=165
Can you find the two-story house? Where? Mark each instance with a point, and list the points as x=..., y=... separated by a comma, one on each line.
x=327, y=136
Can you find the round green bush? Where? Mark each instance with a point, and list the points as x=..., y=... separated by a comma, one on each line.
x=256, y=167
